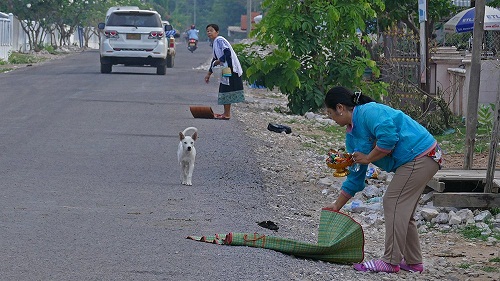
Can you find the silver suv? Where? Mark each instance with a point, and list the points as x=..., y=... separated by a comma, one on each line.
x=133, y=37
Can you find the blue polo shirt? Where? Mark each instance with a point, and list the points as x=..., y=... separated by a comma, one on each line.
x=389, y=130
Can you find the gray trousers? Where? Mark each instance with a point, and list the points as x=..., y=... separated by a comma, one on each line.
x=400, y=202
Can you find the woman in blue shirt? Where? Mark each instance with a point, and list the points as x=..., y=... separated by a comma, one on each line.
x=390, y=139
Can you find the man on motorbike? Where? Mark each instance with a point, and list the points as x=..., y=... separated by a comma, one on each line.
x=193, y=33
x=192, y=36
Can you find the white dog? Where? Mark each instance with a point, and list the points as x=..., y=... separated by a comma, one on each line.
x=186, y=154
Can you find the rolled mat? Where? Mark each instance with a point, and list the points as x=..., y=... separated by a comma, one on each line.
x=202, y=112
x=340, y=240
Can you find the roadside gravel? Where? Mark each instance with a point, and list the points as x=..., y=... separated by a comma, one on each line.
x=298, y=184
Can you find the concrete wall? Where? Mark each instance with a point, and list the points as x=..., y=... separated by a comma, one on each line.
x=451, y=74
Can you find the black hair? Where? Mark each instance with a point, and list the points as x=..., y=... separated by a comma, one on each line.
x=214, y=26
x=346, y=97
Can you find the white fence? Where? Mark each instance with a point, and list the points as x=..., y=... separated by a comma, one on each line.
x=5, y=35
x=14, y=39
x=12, y=36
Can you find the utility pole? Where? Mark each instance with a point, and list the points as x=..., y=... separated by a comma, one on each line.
x=194, y=13
x=495, y=138
x=474, y=83
x=424, y=46
x=249, y=17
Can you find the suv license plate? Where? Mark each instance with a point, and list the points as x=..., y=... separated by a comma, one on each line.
x=134, y=36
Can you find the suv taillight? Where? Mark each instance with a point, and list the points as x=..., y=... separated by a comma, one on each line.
x=111, y=33
x=156, y=35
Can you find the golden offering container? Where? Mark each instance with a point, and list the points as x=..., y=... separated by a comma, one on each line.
x=341, y=167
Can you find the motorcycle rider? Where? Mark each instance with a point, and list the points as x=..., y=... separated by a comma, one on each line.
x=193, y=33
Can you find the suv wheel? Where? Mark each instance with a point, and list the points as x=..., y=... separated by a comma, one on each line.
x=170, y=61
x=106, y=67
x=161, y=69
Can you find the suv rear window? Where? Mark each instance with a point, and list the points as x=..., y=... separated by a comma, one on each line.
x=134, y=19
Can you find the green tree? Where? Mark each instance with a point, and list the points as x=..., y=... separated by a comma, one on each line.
x=39, y=18
x=223, y=18
x=68, y=16
x=36, y=17
x=406, y=11
x=161, y=6
x=317, y=45
x=493, y=3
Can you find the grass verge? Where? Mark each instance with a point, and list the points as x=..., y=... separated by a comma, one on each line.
x=20, y=58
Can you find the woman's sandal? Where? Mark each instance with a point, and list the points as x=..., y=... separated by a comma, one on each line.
x=418, y=267
x=221, y=116
x=376, y=266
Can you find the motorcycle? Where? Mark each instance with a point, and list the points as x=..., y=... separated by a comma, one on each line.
x=192, y=45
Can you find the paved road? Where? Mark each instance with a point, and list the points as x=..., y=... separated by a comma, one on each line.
x=90, y=186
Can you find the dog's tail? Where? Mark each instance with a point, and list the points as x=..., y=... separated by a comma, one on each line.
x=192, y=129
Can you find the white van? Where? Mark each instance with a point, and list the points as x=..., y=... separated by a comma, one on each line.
x=132, y=36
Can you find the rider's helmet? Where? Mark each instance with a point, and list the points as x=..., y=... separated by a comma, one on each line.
x=192, y=26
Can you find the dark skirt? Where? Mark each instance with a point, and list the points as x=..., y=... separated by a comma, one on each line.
x=232, y=93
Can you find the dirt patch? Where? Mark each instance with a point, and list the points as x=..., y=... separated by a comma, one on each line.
x=480, y=161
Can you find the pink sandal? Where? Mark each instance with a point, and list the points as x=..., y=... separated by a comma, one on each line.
x=221, y=117
x=376, y=266
x=418, y=267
